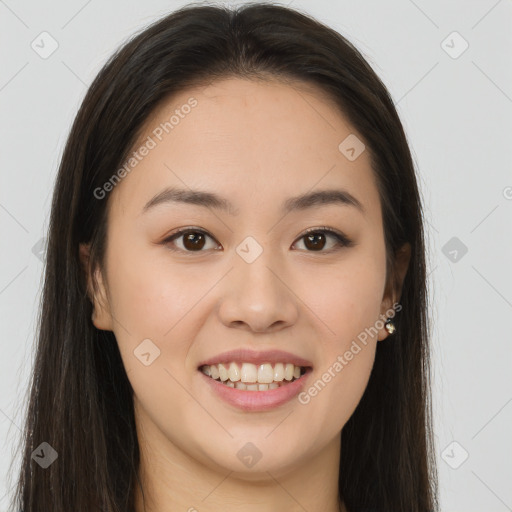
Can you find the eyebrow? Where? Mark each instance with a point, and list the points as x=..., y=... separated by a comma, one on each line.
x=212, y=200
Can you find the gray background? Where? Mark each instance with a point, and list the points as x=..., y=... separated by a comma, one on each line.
x=456, y=109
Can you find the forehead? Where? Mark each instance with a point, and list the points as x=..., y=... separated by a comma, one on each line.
x=256, y=142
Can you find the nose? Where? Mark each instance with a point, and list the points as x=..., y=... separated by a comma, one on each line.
x=258, y=297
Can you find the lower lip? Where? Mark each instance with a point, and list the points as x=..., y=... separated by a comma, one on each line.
x=258, y=400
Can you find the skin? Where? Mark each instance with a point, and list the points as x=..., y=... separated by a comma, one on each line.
x=257, y=144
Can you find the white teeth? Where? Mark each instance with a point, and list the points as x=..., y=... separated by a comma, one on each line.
x=288, y=372
x=223, y=373
x=234, y=372
x=253, y=377
x=214, y=372
x=266, y=373
x=279, y=372
x=249, y=372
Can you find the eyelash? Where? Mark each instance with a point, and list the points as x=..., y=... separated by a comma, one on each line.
x=341, y=239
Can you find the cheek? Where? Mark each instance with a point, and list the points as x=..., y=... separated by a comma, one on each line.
x=153, y=301
x=348, y=303
x=348, y=298
x=339, y=382
x=151, y=306
x=334, y=395
x=150, y=295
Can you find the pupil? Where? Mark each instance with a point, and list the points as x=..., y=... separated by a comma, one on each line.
x=194, y=244
x=311, y=238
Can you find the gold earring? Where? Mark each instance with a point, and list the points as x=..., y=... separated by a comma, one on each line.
x=390, y=326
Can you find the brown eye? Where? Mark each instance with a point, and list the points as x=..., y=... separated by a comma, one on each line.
x=315, y=240
x=193, y=240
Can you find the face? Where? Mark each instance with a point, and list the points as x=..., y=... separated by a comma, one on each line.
x=247, y=276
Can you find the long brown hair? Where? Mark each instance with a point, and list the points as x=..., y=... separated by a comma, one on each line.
x=80, y=397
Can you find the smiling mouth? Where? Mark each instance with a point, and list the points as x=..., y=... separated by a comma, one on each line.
x=251, y=377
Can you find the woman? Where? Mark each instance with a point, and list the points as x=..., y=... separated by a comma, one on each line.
x=234, y=313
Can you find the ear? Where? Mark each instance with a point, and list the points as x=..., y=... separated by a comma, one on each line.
x=393, y=290
x=96, y=290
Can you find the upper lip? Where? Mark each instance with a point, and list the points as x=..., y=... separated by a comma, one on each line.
x=256, y=357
